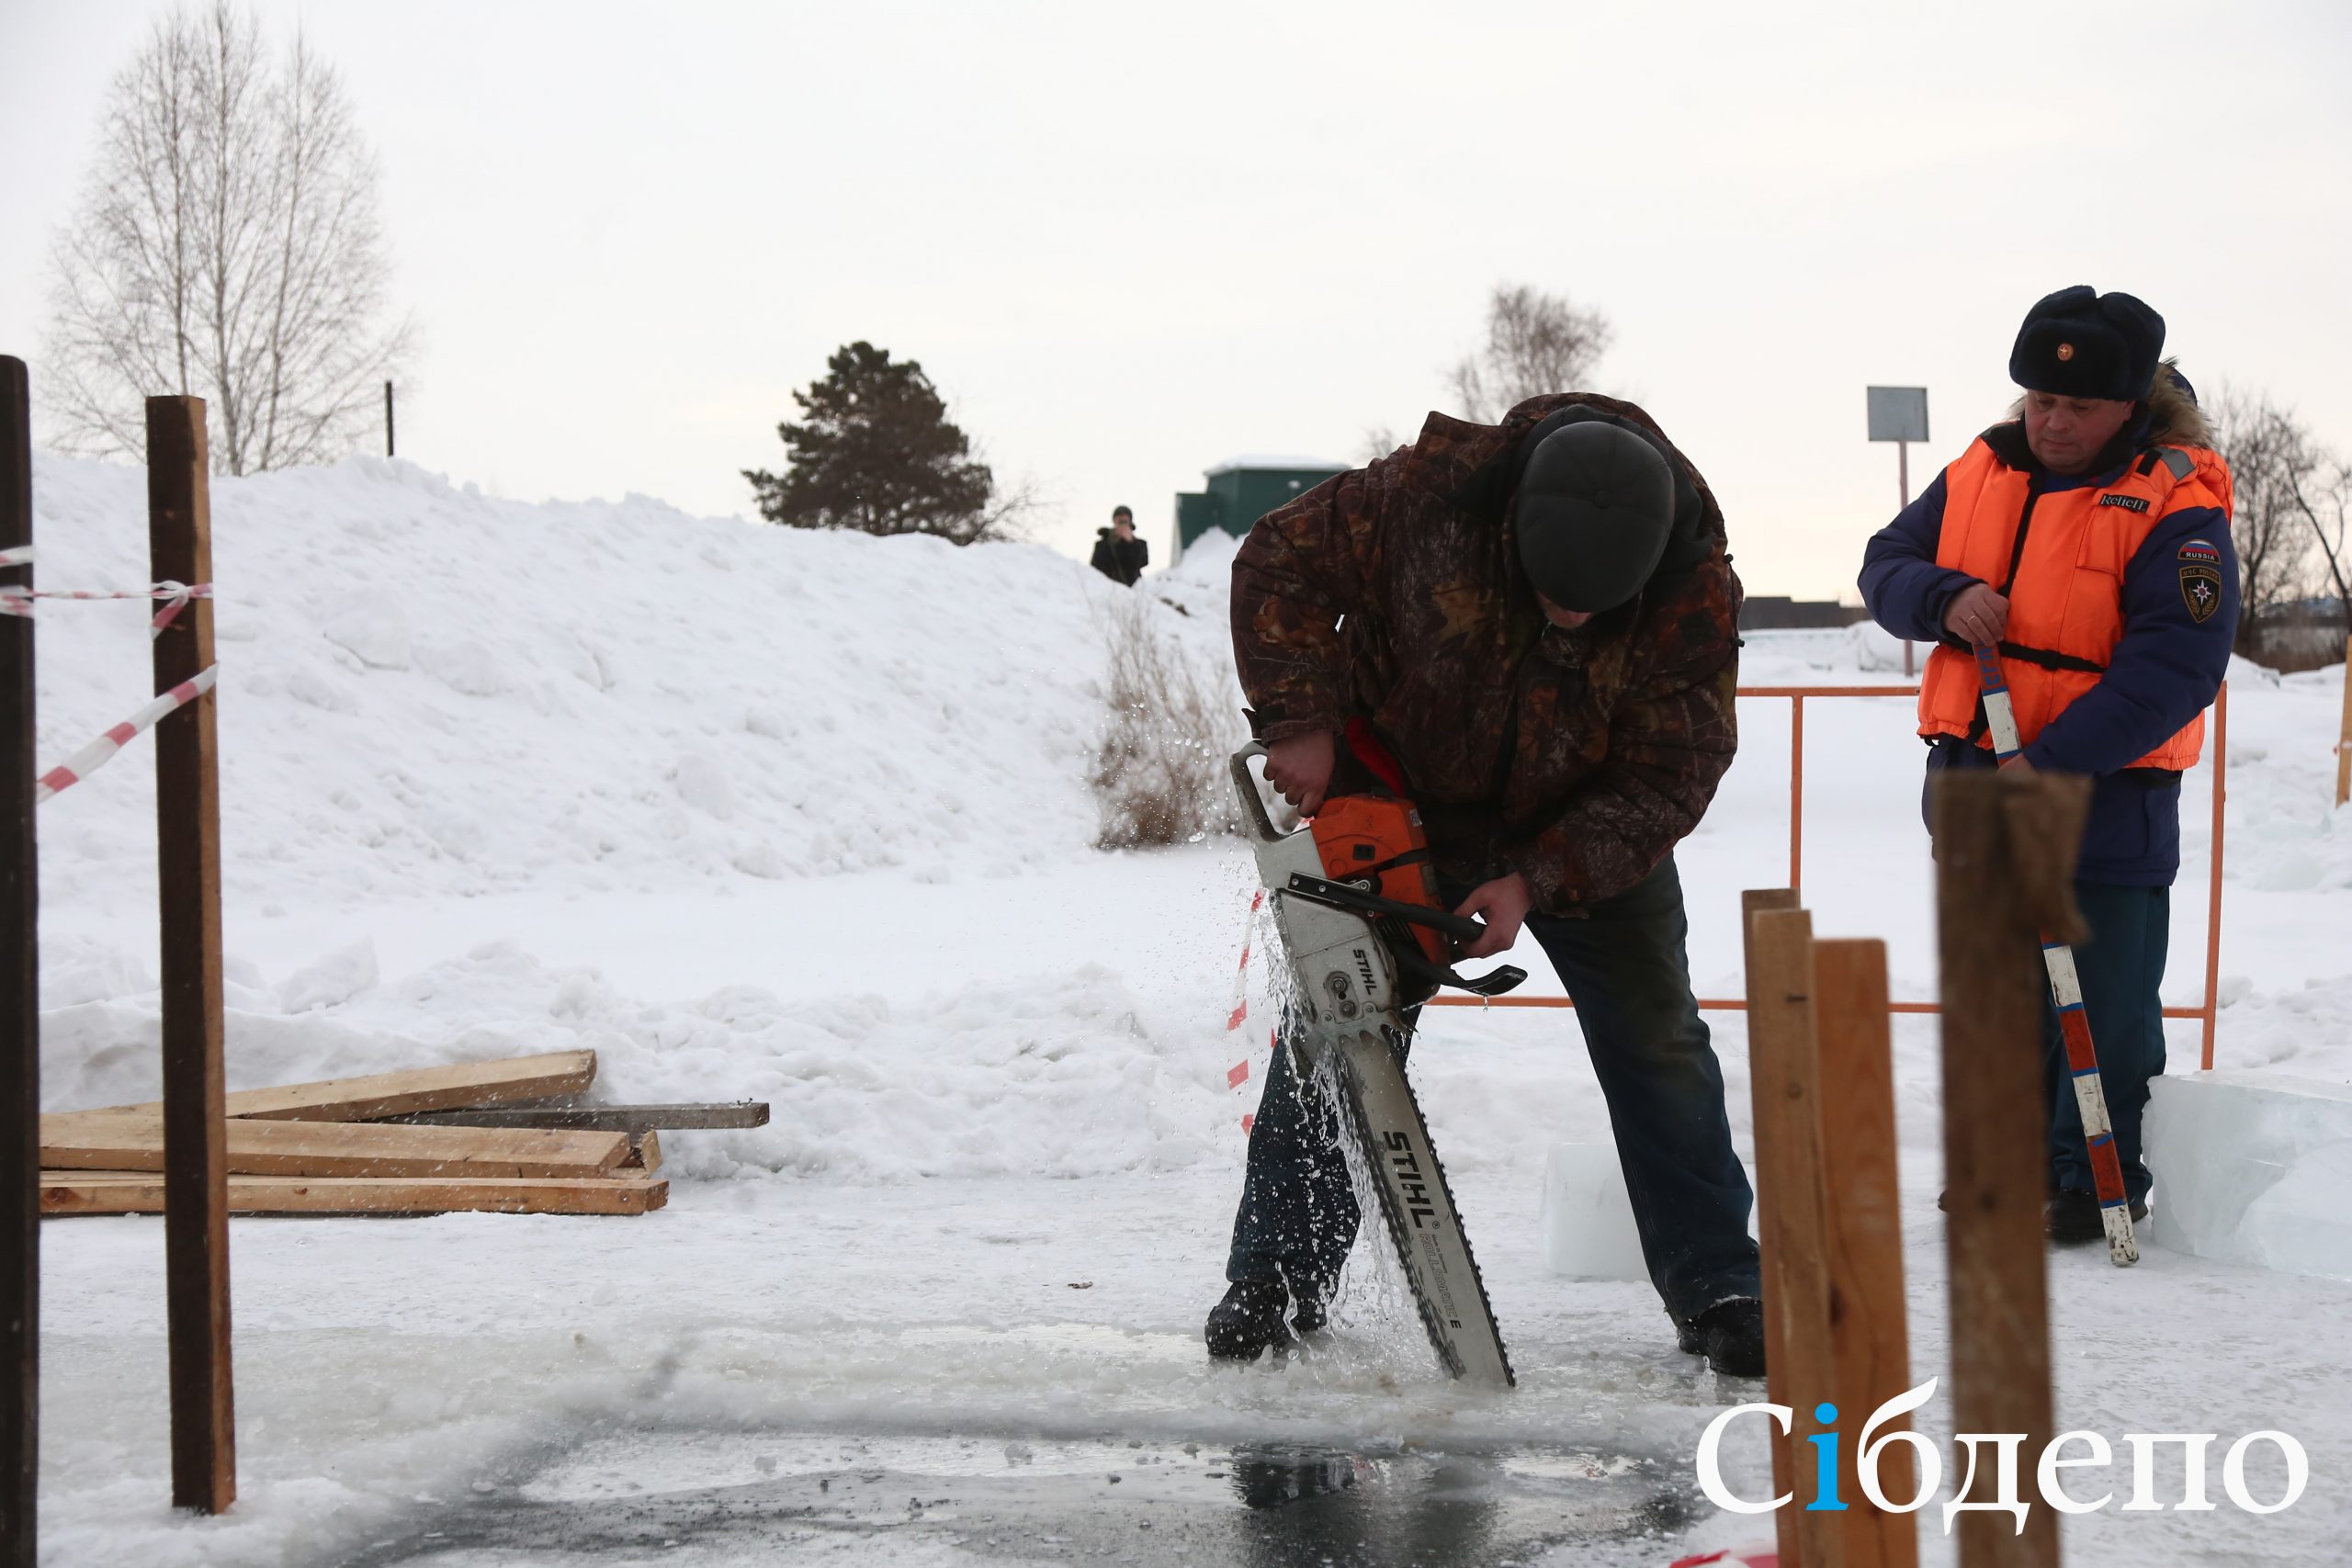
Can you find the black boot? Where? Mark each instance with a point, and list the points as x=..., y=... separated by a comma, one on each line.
x=1310, y=1314
x=1248, y=1319
x=2073, y=1216
x=1730, y=1335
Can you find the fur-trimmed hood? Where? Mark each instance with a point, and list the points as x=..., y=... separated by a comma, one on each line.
x=2174, y=418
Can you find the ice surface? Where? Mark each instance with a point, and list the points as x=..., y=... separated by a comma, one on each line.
x=1587, y=1219
x=2253, y=1168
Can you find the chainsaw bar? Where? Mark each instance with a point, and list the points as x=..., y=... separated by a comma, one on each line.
x=1348, y=1004
x=1417, y=1206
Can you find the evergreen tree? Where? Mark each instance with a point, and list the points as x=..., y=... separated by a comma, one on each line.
x=876, y=451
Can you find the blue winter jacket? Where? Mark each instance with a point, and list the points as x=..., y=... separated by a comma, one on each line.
x=2165, y=671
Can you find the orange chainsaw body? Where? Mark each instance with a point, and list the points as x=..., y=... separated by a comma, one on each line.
x=1382, y=836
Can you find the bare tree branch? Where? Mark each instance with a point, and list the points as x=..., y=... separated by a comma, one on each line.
x=1536, y=342
x=227, y=247
x=2258, y=440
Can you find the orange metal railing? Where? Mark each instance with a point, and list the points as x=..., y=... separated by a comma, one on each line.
x=1796, y=696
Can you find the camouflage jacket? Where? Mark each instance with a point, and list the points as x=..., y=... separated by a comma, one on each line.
x=1394, y=593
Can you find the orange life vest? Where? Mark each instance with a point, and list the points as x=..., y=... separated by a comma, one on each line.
x=2063, y=580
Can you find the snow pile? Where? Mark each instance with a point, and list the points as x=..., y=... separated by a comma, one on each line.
x=452, y=727
x=425, y=690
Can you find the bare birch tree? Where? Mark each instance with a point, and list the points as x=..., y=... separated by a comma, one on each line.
x=227, y=247
x=1536, y=342
x=2327, y=506
x=2272, y=463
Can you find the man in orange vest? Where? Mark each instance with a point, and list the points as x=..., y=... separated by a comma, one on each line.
x=2087, y=538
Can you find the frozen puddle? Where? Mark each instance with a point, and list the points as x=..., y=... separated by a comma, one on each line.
x=704, y=1497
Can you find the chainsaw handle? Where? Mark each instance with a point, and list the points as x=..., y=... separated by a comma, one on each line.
x=1340, y=896
x=1245, y=788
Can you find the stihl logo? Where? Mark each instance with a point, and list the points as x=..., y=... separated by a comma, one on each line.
x=1363, y=968
x=1409, y=1180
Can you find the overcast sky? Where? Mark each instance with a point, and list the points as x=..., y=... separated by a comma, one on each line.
x=1128, y=241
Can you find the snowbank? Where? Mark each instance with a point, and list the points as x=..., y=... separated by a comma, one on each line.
x=425, y=690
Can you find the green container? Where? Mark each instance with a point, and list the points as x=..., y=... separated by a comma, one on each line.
x=1240, y=493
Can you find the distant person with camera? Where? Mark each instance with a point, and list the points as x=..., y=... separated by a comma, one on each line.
x=1118, y=553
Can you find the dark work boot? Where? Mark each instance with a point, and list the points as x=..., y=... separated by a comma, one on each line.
x=1309, y=1312
x=1248, y=1319
x=1730, y=1335
x=2073, y=1216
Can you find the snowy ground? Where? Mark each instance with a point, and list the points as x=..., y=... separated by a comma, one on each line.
x=801, y=817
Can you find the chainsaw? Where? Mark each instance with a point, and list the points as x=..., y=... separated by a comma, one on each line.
x=1356, y=903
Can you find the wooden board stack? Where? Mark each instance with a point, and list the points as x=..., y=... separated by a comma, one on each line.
x=509, y=1136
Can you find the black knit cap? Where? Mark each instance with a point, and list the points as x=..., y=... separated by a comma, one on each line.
x=2079, y=343
x=1594, y=507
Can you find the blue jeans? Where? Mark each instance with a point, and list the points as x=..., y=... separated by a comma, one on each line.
x=1626, y=969
x=2122, y=968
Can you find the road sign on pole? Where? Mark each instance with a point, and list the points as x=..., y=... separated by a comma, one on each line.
x=1900, y=414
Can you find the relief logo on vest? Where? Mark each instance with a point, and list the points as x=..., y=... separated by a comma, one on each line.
x=2134, y=503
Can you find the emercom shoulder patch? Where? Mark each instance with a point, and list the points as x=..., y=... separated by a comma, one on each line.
x=2135, y=502
x=2200, y=587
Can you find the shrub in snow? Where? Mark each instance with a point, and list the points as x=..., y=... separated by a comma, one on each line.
x=1160, y=772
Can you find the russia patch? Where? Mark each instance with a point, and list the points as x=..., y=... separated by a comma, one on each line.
x=2200, y=553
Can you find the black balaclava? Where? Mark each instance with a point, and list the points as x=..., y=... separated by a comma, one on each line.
x=1595, y=505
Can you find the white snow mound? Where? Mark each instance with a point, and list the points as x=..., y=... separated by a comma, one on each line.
x=428, y=691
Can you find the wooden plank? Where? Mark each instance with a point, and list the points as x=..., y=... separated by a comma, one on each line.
x=617, y=1118
x=20, y=1001
x=119, y=1192
x=1869, y=1333
x=644, y=1151
x=340, y=1148
x=2005, y=855
x=381, y=1096
x=1784, y=1074
x=187, y=871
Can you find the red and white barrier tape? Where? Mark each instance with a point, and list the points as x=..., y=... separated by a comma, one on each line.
x=19, y=601
x=98, y=752
x=1239, y=1074
x=16, y=555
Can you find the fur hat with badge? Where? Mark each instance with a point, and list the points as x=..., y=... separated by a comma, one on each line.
x=2079, y=343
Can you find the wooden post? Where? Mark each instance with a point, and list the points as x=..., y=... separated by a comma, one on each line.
x=2344, y=739
x=19, y=1006
x=187, y=829
x=1869, y=1333
x=387, y=420
x=2005, y=859
x=1784, y=1074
